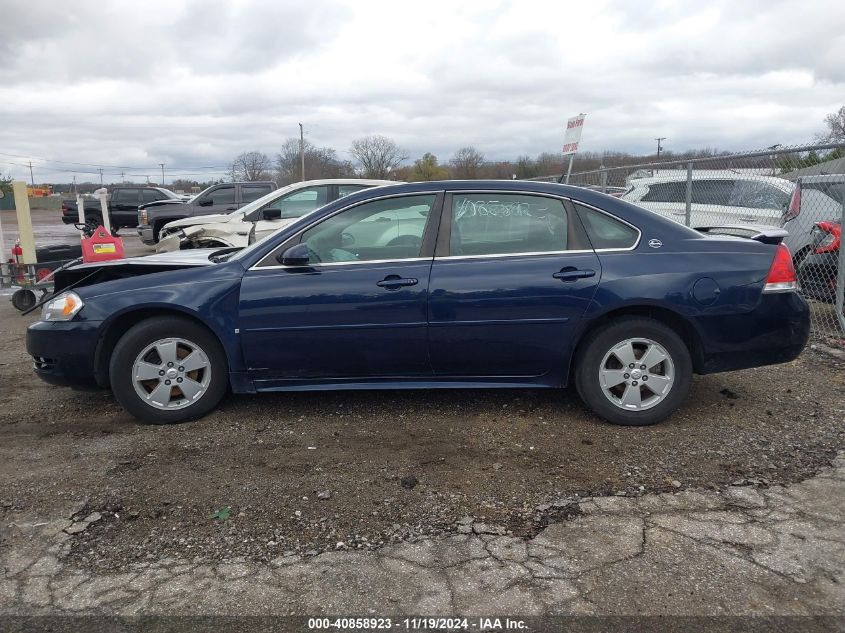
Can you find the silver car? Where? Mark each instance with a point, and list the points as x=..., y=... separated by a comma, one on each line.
x=718, y=197
x=815, y=199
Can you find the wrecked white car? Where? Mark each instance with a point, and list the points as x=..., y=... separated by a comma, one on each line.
x=259, y=218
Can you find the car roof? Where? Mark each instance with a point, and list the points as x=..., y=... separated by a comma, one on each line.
x=339, y=181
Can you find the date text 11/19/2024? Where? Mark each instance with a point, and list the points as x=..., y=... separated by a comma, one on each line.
x=418, y=624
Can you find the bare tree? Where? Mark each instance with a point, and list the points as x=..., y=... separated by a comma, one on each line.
x=467, y=162
x=835, y=122
x=251, y=166
x=320, y=162
x=377, y=155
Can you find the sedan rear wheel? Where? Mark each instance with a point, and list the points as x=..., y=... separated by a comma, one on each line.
x=634, y=371
x=168, y=369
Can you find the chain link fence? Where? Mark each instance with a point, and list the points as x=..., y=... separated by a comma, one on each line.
x=801, y=189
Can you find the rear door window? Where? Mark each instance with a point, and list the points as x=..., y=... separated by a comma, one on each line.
x=222, y=195
x=125, y=196
x=505, y=224
x=254, y=192
x=151, y=195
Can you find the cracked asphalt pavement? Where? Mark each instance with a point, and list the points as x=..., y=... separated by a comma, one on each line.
x=741, y=551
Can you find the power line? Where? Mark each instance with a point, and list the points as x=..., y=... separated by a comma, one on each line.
x=104, y=165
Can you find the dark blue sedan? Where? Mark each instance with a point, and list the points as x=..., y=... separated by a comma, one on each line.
x=442, y=284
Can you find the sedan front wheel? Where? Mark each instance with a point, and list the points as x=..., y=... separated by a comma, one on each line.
x=168, y=369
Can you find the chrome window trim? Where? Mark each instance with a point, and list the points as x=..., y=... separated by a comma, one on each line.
x=350, y=263
x=258, y=266
x=525, y=254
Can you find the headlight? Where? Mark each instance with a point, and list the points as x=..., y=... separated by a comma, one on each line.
x=62, y=308
x=142, y=216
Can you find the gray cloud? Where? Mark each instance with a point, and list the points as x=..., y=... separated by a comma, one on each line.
x=195, y=83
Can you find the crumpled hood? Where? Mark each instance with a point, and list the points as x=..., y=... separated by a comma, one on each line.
x=97, y=272
x=204, y=219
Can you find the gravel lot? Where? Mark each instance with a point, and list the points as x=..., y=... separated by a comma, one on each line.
x=312, y=472
x=392, y=465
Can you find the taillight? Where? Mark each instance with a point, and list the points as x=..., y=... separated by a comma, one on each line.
x=781, y=276
x=794, y=204
x=832, y=240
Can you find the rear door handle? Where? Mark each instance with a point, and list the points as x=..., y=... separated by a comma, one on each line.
x=394, y=282
x=571, y=274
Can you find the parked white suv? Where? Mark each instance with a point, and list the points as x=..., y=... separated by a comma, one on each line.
x=265, y=215
x=716, y=199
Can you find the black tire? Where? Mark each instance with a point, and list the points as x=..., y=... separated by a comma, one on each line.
x=23, y=299
x=147, y=332
x=601, y=341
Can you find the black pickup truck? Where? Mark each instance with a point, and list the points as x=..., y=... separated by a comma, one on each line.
x=123, y=206
x=221, y=198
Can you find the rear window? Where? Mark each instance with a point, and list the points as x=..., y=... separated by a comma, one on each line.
x=254, y=192
x=665, y=192
x=833, y=190
x=606, y=231
x=151, y=195
x=125, y=196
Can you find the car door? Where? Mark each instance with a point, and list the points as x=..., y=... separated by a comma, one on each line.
x=357, y=310
x=513, y=275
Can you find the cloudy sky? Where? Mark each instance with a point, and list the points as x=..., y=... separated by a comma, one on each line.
x=192, y=83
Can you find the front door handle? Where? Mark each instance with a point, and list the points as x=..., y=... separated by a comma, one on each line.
x=394, y=282
x=571, y=274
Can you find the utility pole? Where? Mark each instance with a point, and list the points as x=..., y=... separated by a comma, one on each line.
x=659, y=139
x=302, y=150
x=162, y=174
x=31, y=179
x=101, y=176
x=74, y=185
x=148, y=180
x=122, y=178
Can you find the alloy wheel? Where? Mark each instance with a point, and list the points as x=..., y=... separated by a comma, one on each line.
x=636, y=374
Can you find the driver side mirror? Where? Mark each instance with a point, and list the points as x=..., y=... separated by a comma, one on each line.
x=295, y=256
x=206, y=203
x=272, y=214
